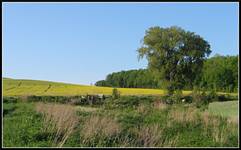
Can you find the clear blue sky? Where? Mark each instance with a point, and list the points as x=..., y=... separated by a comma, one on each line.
x=83, y=42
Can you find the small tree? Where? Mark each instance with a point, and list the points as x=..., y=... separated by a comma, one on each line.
x=115, y=93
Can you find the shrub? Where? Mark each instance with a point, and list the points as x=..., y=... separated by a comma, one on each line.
x=129, y=101
x=8, y=108
x=10, y=100
x=212, y=96
x=115, y=93
x=177, y=96
x=222, y=98
x=200, y=99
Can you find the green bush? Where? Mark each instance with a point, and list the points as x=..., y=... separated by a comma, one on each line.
x=115, y=93
x=10, y=100
x=177, y=96
x=212, y=96
x=200, y=99
x=128, y=101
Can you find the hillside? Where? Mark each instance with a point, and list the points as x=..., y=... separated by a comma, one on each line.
x=17, y=87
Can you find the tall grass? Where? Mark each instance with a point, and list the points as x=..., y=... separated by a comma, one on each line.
x=150, y=136
x=145, y=123
x=97, y=128
x=60, y=120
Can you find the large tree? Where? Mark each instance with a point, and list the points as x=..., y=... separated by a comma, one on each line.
x=175, y=56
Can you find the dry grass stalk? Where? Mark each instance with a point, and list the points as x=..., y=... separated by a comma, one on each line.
x=126, y=142
x=100, y=126
x=160, y=105
x=171, y=142
x=177, y=115
x=150, y=136
x=233, y=120
x=59, y=119
x=141, y=108
x=191, y=114
x=212, y=127
x=182, y=116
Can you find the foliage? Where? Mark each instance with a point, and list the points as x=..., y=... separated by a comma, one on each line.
x=115, y=93
x=22, y=127
x=220, y=73
x=128, y=101
x=199, y=98
x=143, y=124
x=175, y=55
x=141, y=78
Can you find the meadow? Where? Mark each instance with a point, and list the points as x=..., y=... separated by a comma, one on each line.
x=129, y=120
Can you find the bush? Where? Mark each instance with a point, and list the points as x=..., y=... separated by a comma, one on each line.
x=200, y=99
x=212, y=96
x=10, y=100
x=128, y=101
x=115, y=93
x=177, y=96
x=222, y=98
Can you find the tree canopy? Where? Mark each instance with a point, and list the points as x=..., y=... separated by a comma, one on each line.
x=174, y=55
x=219, y=73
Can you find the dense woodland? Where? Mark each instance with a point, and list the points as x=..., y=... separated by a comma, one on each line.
x=219, y=73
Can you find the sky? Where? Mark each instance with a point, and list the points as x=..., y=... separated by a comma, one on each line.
x=83, y=42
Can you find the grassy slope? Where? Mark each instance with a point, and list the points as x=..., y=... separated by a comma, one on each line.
x=14, y=87
x=226, y=109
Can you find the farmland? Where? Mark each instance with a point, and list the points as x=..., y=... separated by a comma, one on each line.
x=15, y=87
x=138, y=118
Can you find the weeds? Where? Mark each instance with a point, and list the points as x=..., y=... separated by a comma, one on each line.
x=58, y=119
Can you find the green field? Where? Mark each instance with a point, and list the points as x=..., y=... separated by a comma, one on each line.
x=127, y=121
x=15, y=87
x=225, y=109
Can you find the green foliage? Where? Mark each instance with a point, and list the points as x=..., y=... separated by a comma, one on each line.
x=22, y=127
x=220, y=73
x=141, y=78
x=177, y=96
x=164, y=127
x=129, y=101
x=174, y=54
x=200, y=99
x=10, y=100
x=212, y=96
x=115, y=93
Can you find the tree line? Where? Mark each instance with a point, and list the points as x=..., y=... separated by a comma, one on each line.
x=219, y=73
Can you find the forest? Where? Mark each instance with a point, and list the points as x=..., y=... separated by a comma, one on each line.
x=219, y=73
